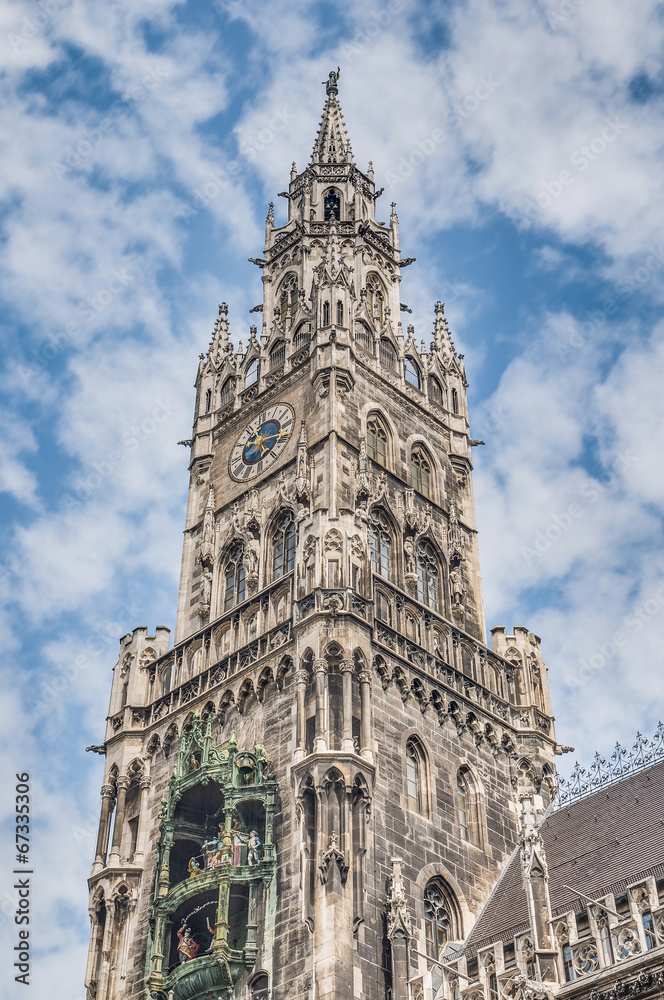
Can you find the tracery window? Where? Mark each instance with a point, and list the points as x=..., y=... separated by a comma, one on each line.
x=363, y=337
x=375, y=299
x=427, y=576
x=411, y=372
x=377, y=441
x=283, y=546
x=234, y=589
x=440, y=918
x=420, y=472
x=288, y=299
x=332, y=205
x=380, y=544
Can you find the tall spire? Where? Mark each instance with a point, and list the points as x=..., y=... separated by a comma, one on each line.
x=332, y=144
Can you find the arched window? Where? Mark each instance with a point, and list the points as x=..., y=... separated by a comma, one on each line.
x=278, y=354
x=388, y=356
x=380, y=544
x=288, y=299
x=420, y=472
x=363, y=338
x=227, y=391
x=340, y=313
x=412, y=372
x=208, y=400
x=435, y=391
x=375, y=299
x=234, y=589
x=302, y=337
x=427, y=576
x=332, y=205
x=326, y=313
x=441, y=917
x=455, y=401
x=260, y=987
x=377, y=441
x=462, y=805
x=383, y=608
x=283, y=546
x=416, y=778
x=467, y=804
x=252, y=373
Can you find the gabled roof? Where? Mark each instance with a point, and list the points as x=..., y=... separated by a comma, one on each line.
x=599, y=845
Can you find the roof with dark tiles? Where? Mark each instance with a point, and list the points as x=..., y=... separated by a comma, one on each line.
x=598, y=845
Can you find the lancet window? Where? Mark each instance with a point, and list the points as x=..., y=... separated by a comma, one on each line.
x=427, y=576
x=283, y=546
x=252, y=373
x=467, y=807
x=420, y=472
x=227, y=391
x=208, y=400
x=388, y=356
x=416, y=777
x=435, y=390
x=332, y=205
x=411, y=372
x=380, y=544
x=340, y=312
x=377, y=441
x=234, y=578
x=278, y=354
x=455, y=401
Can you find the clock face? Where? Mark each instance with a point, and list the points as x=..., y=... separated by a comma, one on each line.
x=261, y=442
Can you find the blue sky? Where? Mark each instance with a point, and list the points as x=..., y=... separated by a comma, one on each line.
x=141, y=145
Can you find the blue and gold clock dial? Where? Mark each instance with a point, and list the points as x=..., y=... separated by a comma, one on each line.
x=261, y=442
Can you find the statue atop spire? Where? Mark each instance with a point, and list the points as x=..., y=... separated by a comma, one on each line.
x=332, y=145
x=331, y=84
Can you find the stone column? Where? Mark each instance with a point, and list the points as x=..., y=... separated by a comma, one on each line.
x=104, y=969
x=301, y=679
x=145, y=783
x=221, y=926
x=347, y=667
x=365, y=715
x=320, y=672
x=268, y=847
x=251, y=948
x=122, y=785
x=107, y=794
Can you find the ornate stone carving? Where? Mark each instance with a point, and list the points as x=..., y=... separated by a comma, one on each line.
x=398, y=917
x=333, y=855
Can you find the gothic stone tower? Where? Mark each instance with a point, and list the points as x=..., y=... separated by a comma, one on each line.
x=320, y=780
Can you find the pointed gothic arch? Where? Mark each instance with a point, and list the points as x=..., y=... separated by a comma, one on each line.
x=423, y=471
x=417, y=776
x=469, y=802
x=379, y=440
x=281, y=549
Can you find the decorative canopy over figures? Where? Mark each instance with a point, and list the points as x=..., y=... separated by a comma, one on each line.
x=221, y=801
